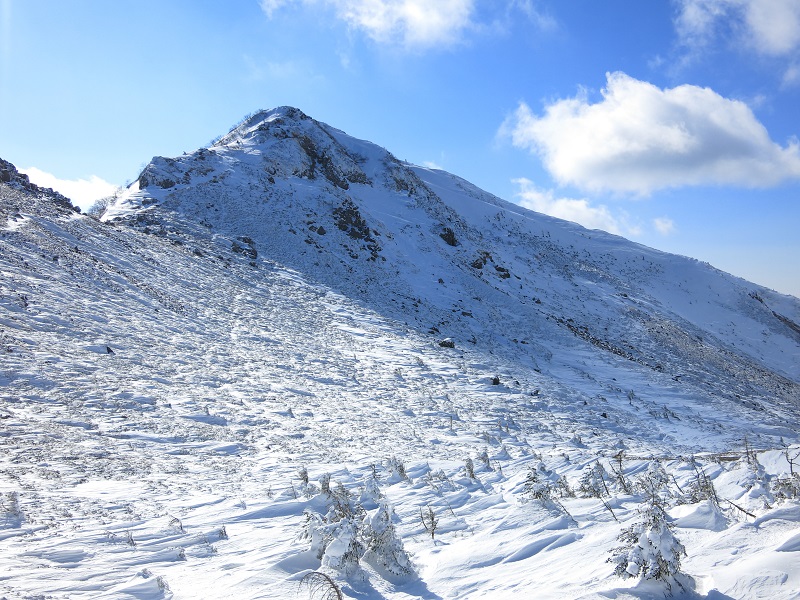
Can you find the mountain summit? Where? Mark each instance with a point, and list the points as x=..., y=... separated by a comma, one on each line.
x=428, y=248
x=291, y=362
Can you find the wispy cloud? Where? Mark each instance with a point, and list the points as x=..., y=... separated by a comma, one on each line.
x=412, y=24
x=535, y=14
x=82, y=192
x=791, y=76
x=418, y=25
x=664, y=225
x=293, y=70
x=768, y=27
x=639, y=138
x=771, y=27
x=270, y=7
x=577, y=210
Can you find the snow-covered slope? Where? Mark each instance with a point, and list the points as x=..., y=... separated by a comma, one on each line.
x=289, y=304
x=428, y=248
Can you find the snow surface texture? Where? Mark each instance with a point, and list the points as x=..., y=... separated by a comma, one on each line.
x=291, y=352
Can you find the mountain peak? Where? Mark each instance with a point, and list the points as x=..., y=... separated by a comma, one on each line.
x=349, y=214
x=261, y=121
x=282, y=143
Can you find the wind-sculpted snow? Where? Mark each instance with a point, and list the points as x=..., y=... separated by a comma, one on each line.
x=238, y=379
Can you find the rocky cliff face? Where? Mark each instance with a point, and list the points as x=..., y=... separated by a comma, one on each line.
x=16, y=180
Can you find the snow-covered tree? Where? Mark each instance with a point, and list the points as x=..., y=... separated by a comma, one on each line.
x=335, y=537
x=539, y=483
x=593, y=482
x=649, y=550
x=344, y=551
x=654, y=482
x=701, y=487
x=348, y=534
x=10, y=513
x=384, y=548
x=786, y=487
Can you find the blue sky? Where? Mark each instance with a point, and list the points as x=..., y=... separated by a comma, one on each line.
x=671, y=122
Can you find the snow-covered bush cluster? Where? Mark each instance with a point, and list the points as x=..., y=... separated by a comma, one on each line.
x=354, y=529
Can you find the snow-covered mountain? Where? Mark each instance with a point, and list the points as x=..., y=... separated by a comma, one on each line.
x=251, y=325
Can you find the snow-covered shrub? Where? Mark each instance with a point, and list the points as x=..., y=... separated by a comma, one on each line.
x=371, y=493
x=100, y=206
x=792, y=456
x=758, y=482
x=618, y=468
x=334, y=537
x=547, y=487
x=347, y=534
x=306, y=488
x=786, y=487
x=439, y=481
x=342, y=500
x=654, y=483
x=469, y=468
x=593, y=482
x=649, y=550
x=484, y=458
x=701, y=487
x=321, y=586
x=344, y=549
x=384, y=548
x=562, y=488
x=538, y=484
x=315, y=533
x=429, y=520
x=325, y=483
x=9, y=505
x=396, y=468
x=543, y=484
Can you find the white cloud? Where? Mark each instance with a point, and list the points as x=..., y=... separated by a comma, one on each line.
x=579, y=211
x=530, y=9
x=413, y=24
x=270, y=6
x=770, y=27
x=774, y=25
x=423, y=24
x=82, y=192
x=640, y=138
x=664, y=225
x=292, y=70
x=792, y=76
x=429, y=164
